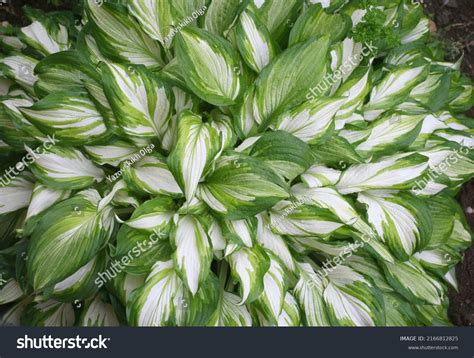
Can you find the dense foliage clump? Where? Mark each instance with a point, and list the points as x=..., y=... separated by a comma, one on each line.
x=230, y=163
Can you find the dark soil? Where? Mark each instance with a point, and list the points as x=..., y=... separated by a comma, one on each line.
x=454, y=23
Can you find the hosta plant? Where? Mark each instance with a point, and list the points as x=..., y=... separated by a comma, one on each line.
x=231, y=163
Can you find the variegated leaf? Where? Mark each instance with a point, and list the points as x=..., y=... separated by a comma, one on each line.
x=255, y=42
x=42, y=199
x=232, y=313
x=401, y=220
x=124, y=284
x=312, y=120
x=309, y=294
x=272, y=299
x=315, y=22
x=154, y=304
x=48, y=313
x=64, y=168
x=413, y=283
x=162, y=300
x=299, y=219
x=249, y=266
x=154, y=215
x=390, y=134
x=290, y=314
x=64, y=71
x=209, y=65
x=221, y=14
x=259, y=187
x=71, y=117
x=141, y=103
x=151, y=175
x=46, y=37
x=354, y=90
x=16, y=193
x=137, y=251
x=330, y=199
x=274, y=243
x=20, y=68
x=98, y=313
x=70, y=234
x=320, y=176
x=193, y=255
x=394, y=89
x=119, y=37
x=351, y=300
x=81, y=284
x=287, y=155
x=395, y=172
x=197, y=147
x=240, y=232
x=285, y=82
x=277, y=15
x=112, y=153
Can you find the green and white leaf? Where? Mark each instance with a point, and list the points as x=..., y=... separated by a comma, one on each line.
x=151, y=175
x=285, y=82
x=300, y=219
x=113, y=153
x=196, y=149
x=393, y=89
x=154, y=304
x=141, y=103
x=241, y=232
x=64, y=168
x=413, y=283
x=43, y=198
x=119, y=37
x=154, y=215
x=277, y=15
x=312, y=120
x=20, y=69
x=70, y=234
x=354, y=90
x=320, y=176
x=274, y=243
x=193, y=255
x=47, y=38
x=272, y=299
x=209, y=65
x=287, y=155
x=259, y=187
x=254, y=42
x=81, y=284
x=401, y=220
x=48, y=313
x=71, y=117
x=221, y=15
x=395, y=172
x=98, y=313
x=391, y=133
x=309, y=294
x=17, y=192
x=315, y=22
x=249, y=266
x=290, y=313
x=351, y=300
x=232, y=313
